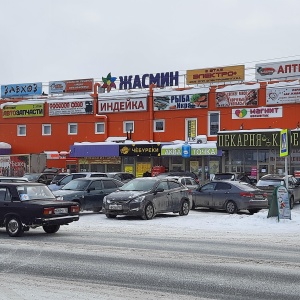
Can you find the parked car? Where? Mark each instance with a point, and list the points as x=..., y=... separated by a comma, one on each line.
x=231, y=196
x=234, y=177
x=45, y=178
x=66, y=179
x=180, y=173
x=13, y=179
x=88, y=192
x=269, y=182
x=121, y=176
x=189, y=182
x=146, y=197
x=58, y=177
x=29, y=205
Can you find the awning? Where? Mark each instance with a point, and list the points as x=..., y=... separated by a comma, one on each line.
x=5, y=148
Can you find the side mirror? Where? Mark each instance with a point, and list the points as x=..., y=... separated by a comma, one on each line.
x=90, y=189
x=158, y=190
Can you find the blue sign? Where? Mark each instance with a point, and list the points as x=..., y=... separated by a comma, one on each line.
x=186, y=150
x=21, y=90
x=144, y=81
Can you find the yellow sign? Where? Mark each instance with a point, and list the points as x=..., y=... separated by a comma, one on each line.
x=23, y=110
x=218, y=74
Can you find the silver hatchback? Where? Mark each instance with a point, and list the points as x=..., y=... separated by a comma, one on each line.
x=231, y=196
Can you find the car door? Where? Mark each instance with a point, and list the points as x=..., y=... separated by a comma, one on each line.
x=176, y=194
x=220, y=194
x=162, y=201
x=93, y=195
x=295, y=187
x=203, y=195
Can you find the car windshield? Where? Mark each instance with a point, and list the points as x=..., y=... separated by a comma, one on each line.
x=76, y=185
x=31, y=177
x=139, y=185
x=41, y=192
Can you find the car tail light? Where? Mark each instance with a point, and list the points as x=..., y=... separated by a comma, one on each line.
x=48, y=211
x=75, y=209
x=265, y=195
x=247, y=194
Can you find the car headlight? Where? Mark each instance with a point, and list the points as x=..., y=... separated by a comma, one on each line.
x=59, y=198
x=105, y=200
x=138, y=199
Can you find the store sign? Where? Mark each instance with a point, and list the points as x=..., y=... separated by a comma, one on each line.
x=23, y=110
x=71, y=86
x=237, y=98
x=263, y=140
x=145, y=80
x=140, y=150
x=204, y=151
x=283, y=94
x=172, y=151
x=100, y=160
x=122, y=105
x=64, y=108
x=218, y=74
x=21, y=90
x=277, y=70
x=194, y=98
x=259, y=112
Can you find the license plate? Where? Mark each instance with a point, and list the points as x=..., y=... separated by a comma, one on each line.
x=62, y=210
x=115, y=206
x=259, y=197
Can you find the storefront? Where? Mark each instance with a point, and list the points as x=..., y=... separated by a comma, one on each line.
x=257, y=152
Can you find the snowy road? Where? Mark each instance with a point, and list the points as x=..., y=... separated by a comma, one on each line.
x=206, y=255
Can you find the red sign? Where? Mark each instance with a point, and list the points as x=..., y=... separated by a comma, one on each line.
x=80, y=85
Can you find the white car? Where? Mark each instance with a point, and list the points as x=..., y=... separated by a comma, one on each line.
x=13, y=179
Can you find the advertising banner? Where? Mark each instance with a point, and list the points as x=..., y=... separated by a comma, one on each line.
x=281, y=93
x=237, y=98
x=277, y=70
x=71, y=86
x=20, y=90
x=122, y=105
x=23, y=110
x=217, y=74
x=173, y=100
x=78, y=107
x=140, y=150
x=258, y=112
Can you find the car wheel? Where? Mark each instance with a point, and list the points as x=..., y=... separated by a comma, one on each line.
x=148, y=212
x=51, y=228
x=185, y=208
x=14, y=227
x=231, y=207
x=253, y=211
x=292, y=202
x=110, y=216
x=96, y=210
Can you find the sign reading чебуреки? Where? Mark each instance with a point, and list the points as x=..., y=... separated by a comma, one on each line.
x=252, y=139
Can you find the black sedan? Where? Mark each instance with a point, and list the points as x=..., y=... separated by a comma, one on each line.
x=231, y=196
x=146, y=197
x=30, y=205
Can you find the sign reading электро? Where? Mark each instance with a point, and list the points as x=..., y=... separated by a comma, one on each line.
x=217, y=74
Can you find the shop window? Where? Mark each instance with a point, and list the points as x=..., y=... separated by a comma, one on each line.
x=21, y=130
x=99, y=128
x=72, y=128
x=159, y=125
x=190, y=129
x=128, y=126
x=213, y=123
x=46, y=129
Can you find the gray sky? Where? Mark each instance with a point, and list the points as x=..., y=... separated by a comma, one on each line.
x=45, y=40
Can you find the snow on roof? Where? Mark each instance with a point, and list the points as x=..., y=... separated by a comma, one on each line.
x=283, y=84
x=166, y=92
x=238, y=87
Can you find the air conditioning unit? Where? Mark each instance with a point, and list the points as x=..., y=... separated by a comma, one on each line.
x=201, y=139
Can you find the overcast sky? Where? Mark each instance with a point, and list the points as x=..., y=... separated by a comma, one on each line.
x=53, y=40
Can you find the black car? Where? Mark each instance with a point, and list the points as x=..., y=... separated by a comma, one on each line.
x=235, y=177
x=30, y=205
x=88, y=192
x=45, y=178
x=146, y=197
x=121, y=176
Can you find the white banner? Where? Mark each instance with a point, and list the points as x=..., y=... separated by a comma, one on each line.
x=283, y=94
x=122, y=105
x=78, y=107
x=258, y=112
x=281, y=69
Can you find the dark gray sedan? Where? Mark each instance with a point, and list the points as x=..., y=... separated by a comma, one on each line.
x=231, y=196
x=146, y=197
x=88, y=192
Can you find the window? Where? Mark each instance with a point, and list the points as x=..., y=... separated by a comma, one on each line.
x=109, y=184
x=72, y=128
x=21, y=130
x=46, y=129
x=213, y=123
x=128, y=126
x=99, y=128
x=159, y=125
x=190, y=129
